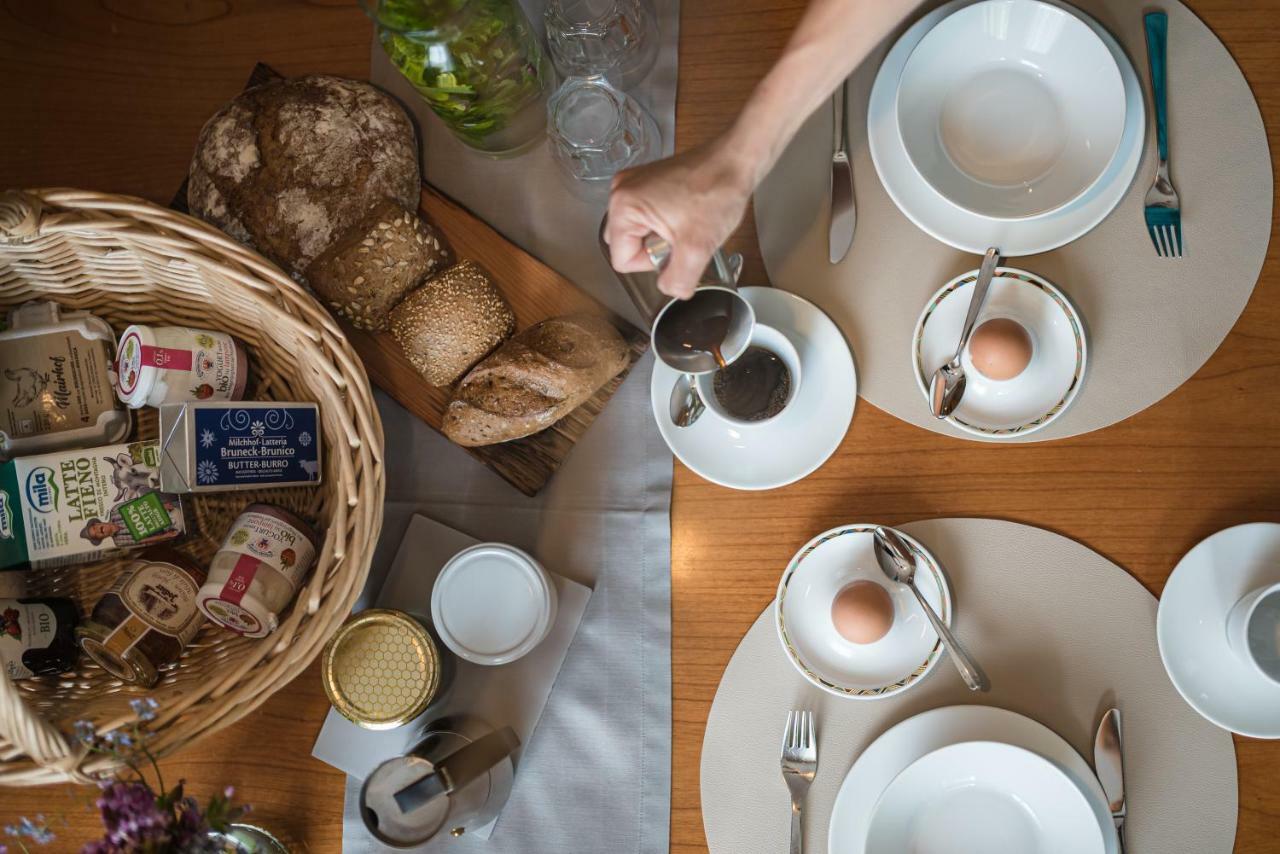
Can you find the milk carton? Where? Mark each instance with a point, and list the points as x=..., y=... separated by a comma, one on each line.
x=86, y=505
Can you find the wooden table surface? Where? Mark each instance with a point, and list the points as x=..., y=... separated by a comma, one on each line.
x=110, y=95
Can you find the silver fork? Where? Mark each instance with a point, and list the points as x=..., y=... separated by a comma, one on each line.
x=799, y=765
x=1162, y=212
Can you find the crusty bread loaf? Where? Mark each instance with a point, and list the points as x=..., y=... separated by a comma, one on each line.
x=290, y=166
x=368, y=271
x=534, y=380
x=453, y=321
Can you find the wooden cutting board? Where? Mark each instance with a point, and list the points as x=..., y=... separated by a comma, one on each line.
x=535, y=292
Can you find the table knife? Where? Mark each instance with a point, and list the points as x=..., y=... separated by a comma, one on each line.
x=844, y=215
x=1108, y=764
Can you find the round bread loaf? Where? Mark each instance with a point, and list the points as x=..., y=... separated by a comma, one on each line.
x=290, y=166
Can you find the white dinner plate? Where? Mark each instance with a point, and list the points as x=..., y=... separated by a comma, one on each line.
x=802, y=437
x=897, y=748
x=1191, y=628
x=819, y=571
x=967, y=231
x=1034, y=398
x=1011, y=108
x=979, y=797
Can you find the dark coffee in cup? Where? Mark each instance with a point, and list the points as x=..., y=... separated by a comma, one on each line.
x=754, y=387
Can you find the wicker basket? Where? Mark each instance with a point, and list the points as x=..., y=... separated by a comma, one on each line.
x=129, y=261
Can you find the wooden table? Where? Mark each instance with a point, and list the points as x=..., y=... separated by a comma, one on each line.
x=110, y=96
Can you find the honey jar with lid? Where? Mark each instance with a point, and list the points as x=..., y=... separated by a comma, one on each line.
x=146, y=618
x=383, y=669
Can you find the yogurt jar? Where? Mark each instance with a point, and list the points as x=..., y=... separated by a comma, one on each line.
x=257, y=572
x=493, y=603
x=170, y=364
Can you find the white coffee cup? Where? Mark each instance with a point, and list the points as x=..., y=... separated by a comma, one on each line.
x=1253, y=630
x=775, y=342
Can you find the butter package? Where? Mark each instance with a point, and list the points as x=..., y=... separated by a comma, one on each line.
x=81, y=506
x=217, y=446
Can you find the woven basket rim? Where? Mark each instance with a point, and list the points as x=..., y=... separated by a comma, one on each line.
x=35, y=221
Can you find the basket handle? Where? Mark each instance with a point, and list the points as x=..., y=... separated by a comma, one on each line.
x=33, y=735
x=19, y=215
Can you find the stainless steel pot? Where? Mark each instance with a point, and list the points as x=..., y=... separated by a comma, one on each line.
x=455, y=779
x=717, y=296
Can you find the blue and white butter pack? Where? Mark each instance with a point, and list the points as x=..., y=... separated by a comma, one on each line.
x=218, y=446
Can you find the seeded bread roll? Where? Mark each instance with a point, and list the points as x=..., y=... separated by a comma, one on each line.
x=452, y=322
x=534, y=380
x=375, y=264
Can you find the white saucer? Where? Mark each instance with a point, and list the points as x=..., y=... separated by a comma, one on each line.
x=821, y=569
x=977, y=797
x=801, y=438
x=970, y=232
x=896, y=749
x=1011, y=108
x=1043, y=391
x=1191, y=628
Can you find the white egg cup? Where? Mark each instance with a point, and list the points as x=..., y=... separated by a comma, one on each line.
x=826, y=565
x=1035, y=398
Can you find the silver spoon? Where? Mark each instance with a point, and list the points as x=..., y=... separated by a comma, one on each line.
x=947, y=386
x=686, y=404
x=897, y=561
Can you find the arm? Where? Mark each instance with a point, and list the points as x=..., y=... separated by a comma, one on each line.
x=695, y=200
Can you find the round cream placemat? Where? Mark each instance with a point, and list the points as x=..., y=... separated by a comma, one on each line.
x=1063, y=634
x=1152, y=322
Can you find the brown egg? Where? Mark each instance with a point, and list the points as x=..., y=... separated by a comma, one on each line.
x=862, y=612
x=1000, y=348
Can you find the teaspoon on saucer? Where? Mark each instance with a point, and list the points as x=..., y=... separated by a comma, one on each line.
x=947, y=386
x=686, y=404
x=899, y=564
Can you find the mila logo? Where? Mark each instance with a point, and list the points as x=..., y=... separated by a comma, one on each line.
x=42, y=490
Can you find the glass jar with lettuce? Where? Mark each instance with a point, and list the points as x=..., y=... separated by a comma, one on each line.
x=478, y=64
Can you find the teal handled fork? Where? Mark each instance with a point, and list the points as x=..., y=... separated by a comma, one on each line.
x=1163, y=215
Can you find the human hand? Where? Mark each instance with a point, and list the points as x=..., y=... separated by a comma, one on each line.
x=694, y=201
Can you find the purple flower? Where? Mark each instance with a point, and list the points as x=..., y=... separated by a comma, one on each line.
x=144, y=708
x=35, y=830
x=85, y=732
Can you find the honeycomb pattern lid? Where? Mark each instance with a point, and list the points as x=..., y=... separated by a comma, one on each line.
x=382, y=669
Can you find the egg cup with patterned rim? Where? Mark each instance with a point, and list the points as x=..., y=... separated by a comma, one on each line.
x=828, y=564
x=1030, y=401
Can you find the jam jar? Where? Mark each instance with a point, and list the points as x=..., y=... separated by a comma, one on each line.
x=146, y=618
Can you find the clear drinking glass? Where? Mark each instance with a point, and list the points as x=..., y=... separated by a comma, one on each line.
x=616, y=38
x=477, y=63
x=596, y=130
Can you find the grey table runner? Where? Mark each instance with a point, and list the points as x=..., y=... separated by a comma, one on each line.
x=596, y=775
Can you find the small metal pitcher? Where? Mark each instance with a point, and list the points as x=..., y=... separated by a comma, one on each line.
x=717, y=296
x=457, y=778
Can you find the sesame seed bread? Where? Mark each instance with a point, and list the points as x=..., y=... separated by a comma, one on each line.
x=452, y=322
x=364, y=274
x=535, y=379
